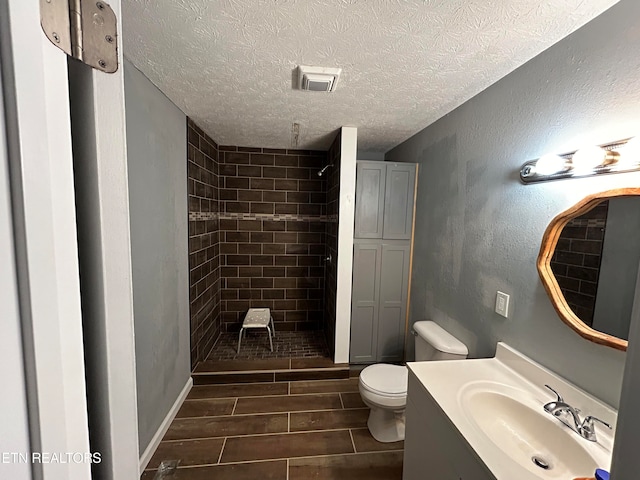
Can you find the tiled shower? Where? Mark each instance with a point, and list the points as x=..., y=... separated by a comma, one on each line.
x=204, y=241
x=262, y=223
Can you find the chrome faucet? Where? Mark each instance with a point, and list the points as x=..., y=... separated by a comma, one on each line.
x=570, y=416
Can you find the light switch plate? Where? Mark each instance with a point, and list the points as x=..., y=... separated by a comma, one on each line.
x=502, y=304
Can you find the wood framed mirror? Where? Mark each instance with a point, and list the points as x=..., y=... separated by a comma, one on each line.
x=588, y=264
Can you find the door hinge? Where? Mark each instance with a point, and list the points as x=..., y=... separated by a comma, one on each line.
x=83, y=29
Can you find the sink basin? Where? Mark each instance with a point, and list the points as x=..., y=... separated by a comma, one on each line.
x=527, y=435
x=486, y=421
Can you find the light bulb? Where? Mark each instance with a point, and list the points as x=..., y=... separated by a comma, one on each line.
x=588, y=158
x=550, y=164
x=630, y=153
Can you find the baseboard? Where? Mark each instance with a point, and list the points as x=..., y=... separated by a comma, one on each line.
x=164, y=426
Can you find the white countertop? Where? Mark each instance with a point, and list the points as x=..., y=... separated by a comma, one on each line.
x=514, y=375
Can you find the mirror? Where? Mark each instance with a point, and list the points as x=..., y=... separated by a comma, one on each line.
x=588, y=264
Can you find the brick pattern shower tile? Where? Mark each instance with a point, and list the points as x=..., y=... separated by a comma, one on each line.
x=272, y=227
x=259, y=222
x=204, y=241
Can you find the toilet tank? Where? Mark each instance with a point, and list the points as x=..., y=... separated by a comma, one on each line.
x=435, y=343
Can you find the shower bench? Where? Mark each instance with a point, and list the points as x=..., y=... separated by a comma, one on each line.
x=258, y=318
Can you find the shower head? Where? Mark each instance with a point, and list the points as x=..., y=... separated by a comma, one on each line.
x=324, y=169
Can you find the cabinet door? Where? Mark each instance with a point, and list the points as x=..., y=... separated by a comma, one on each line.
x=398, y=201
x=365, y=302
x=394, y=288
x=422, y=455
x=370, y=194
x=433, y=446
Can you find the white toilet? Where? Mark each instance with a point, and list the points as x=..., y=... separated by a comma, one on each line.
x=383, y=387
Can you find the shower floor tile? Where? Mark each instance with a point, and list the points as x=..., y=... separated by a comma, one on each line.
x=255, y=345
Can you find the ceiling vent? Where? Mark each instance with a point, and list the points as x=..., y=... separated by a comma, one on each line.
x=318, y=79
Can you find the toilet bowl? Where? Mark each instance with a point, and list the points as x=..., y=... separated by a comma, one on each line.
x=383, y=387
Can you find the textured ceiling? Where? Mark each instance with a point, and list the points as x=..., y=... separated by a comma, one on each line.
x=228, y=63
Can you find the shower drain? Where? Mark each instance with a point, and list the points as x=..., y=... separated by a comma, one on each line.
x=540, y=462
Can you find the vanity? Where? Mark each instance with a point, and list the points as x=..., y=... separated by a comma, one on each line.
x=484, y=419
x=501, y=418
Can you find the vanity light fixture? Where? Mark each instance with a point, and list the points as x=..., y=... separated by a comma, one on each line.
x=550, y=164
x=618, y=157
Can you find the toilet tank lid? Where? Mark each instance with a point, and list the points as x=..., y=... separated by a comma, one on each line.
x=440, y=338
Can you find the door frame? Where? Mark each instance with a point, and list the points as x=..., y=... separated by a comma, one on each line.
x=35, y=92
x=80, y=380
x=13, y=408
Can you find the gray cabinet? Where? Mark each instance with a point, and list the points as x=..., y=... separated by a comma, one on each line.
x=381, y=250
x=365, y=302
x=394, y=289
x=400, y=181
x=384, y=200
x=370, y=197
x=433, y=447
x=379, y=300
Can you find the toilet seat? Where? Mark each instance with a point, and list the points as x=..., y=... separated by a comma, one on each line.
x=385, y=380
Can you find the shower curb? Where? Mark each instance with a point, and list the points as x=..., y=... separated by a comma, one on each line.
x=204, y=376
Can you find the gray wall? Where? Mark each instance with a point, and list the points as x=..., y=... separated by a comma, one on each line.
x=625, y=463
x=478, y=229
x=156, y=149
x=618, y=267
x=368, y=155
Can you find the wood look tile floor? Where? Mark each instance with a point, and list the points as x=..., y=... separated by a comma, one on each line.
x=298, y=430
